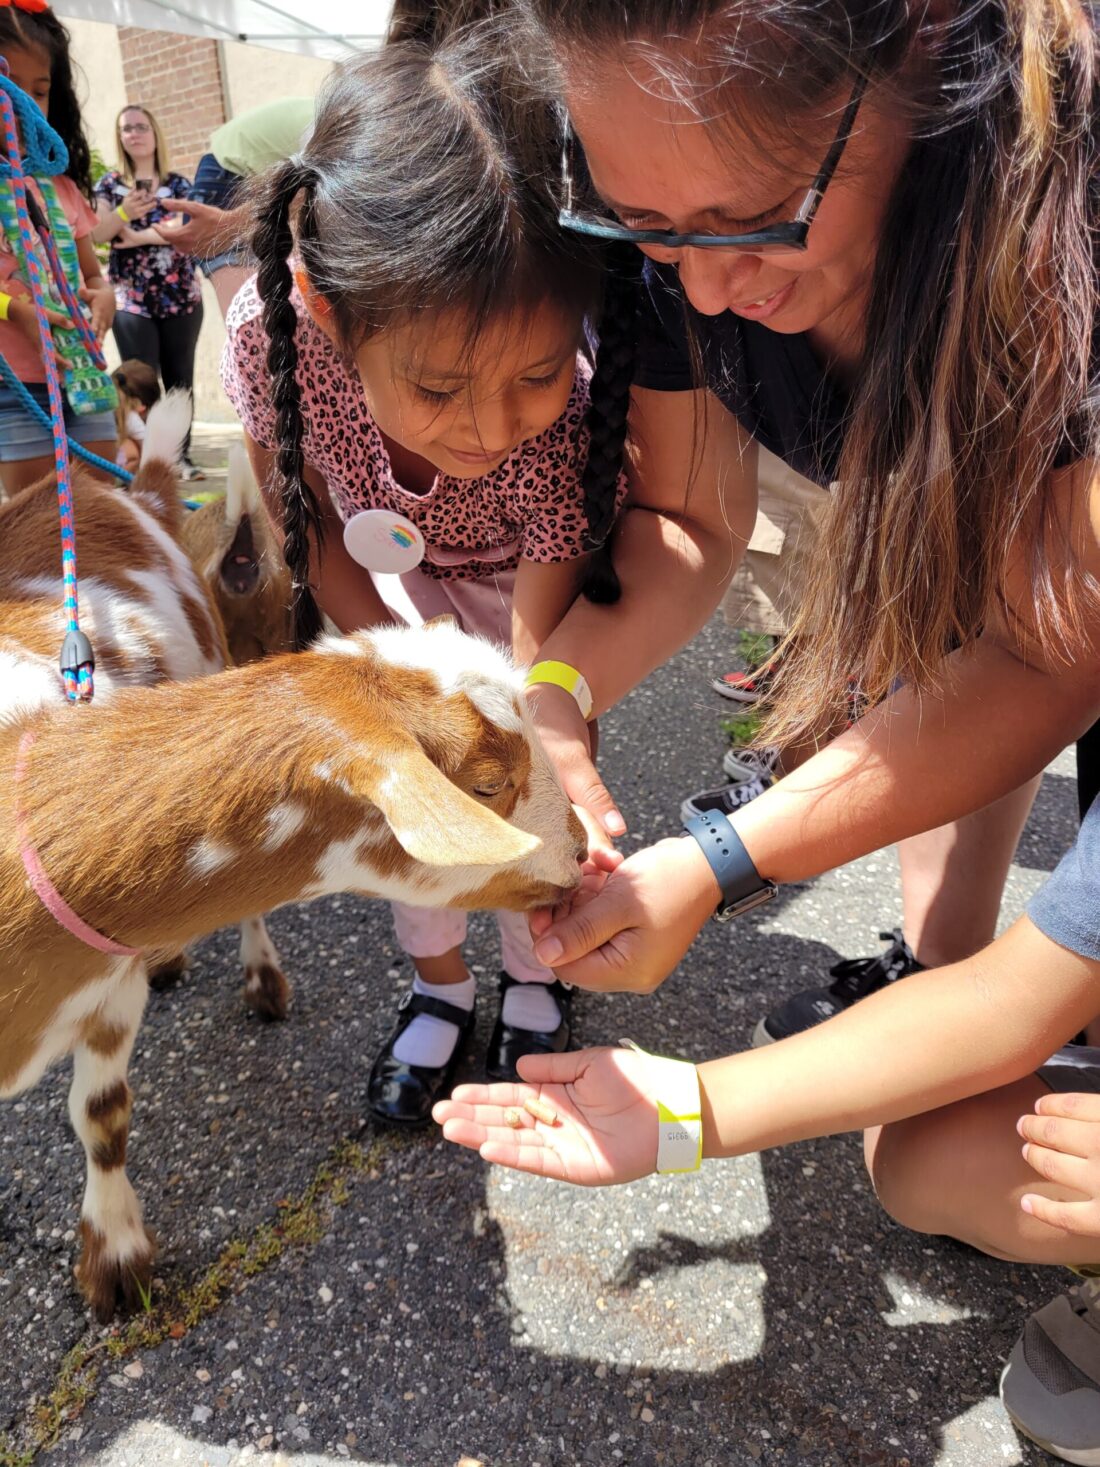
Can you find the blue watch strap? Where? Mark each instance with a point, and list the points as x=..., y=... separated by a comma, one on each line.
x=742, y=885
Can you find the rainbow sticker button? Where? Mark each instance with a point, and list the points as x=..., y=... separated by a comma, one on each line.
x=383, y=541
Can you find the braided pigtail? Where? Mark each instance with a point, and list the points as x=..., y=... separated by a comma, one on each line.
x=272, y=244
x=608, y=405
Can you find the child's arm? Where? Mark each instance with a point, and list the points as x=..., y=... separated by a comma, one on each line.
x=344, y=590
x=902, y=1051
x=544, y=592
x=110, y=222
x=96, y=292
x=686, y=522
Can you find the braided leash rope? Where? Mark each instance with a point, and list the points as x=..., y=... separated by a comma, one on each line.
x=77, y=659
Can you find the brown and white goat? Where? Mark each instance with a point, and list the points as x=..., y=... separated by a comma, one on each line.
x=232, y=546
x=234, y=549
x=399, y=763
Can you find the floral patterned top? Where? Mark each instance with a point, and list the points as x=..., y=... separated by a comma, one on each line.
x=151, y=280
x=531, y=507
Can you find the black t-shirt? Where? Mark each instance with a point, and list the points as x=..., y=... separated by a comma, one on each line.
x=773, y=383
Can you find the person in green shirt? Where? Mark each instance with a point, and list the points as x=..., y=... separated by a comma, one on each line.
x=210, y=223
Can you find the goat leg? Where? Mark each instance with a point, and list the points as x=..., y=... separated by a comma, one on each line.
x=116, y=1262
x=266, y=990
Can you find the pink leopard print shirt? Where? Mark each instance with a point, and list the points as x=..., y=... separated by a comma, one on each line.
x=531, y=506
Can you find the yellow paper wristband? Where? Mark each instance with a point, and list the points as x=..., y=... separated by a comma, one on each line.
x=561, y=675
x=122, y=214
x=5, y=306
x=679, y=1112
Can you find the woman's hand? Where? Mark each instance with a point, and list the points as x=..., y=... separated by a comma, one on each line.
x=566, y=739
x=606, y=1129
x=137, y=203
x=99, y=297
x=626, y=931
x=1062, y=1143
x=207, y=231
x=21, y=313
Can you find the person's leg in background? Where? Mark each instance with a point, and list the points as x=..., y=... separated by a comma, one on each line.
x=137, y=336
x=179, y=337
x=26, y=445
x=952, y=879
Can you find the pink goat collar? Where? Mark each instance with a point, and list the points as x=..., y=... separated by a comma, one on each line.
x=43, y=887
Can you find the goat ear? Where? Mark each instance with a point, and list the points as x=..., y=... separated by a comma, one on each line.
x=432, y=819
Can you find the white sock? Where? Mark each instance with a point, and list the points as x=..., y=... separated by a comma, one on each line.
x=531, y=1006
x=428, y=1040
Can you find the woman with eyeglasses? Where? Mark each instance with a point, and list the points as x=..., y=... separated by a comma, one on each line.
x=157, y=291
x=869, y=231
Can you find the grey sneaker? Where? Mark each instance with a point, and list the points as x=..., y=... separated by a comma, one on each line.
x=741, y=764
x=1051, y=1384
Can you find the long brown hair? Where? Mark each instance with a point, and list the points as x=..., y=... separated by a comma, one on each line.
x=975, y=375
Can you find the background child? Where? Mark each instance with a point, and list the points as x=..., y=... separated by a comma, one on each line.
x=138, y=389
x=427, y=364
x=36, y=47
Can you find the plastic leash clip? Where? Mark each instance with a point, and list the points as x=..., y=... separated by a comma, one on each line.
x=679, y=1114
x=77, y=660
x=561, y=675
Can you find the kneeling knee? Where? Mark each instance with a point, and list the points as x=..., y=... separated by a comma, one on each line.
x=902, y=1168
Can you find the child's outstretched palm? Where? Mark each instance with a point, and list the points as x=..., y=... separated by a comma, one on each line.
x=606, y=1127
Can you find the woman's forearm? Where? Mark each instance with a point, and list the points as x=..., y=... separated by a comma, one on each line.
x=109, y=222
x=907, y=1049
x=913, y=765
x=673, y=572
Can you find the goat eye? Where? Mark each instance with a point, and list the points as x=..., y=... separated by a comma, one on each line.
x=488, y=790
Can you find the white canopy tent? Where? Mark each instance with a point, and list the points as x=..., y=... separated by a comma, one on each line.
x=329, y=29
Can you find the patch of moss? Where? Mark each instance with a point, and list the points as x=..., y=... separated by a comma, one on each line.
x=301, y=1222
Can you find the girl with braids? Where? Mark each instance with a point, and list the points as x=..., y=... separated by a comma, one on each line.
x=406, y=364
x=36, y=47
x=870, y=228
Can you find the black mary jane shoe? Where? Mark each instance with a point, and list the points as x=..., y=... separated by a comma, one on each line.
x=509, y=1044
x=403, y=1094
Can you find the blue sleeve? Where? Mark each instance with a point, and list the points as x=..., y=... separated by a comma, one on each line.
x=1067, y=909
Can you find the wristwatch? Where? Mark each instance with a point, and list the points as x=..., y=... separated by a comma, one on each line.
x=742, y=885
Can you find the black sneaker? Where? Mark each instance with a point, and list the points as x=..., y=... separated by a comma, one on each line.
x=853, y=979
x=727, y=799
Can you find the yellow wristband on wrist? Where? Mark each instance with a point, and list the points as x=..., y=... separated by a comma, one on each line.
x=561, y=675
x=679, y=1112
x=5, y=306
x=122, y=214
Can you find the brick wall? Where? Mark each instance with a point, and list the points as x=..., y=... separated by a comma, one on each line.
x=179, y=79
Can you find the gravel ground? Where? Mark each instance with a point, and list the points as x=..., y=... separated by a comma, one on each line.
x=418, y=1309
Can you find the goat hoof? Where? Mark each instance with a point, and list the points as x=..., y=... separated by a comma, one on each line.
x=167, y=974
x=267, y=993
x=112, y=1284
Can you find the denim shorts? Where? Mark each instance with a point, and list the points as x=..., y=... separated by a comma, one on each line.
x=215, y=185
x=1076, y=1067
x=23, y=437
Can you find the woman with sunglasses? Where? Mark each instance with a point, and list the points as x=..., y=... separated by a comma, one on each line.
x=870, y=234
x=867, y=230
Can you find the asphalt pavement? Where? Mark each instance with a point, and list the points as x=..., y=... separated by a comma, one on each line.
x=330, y=1292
